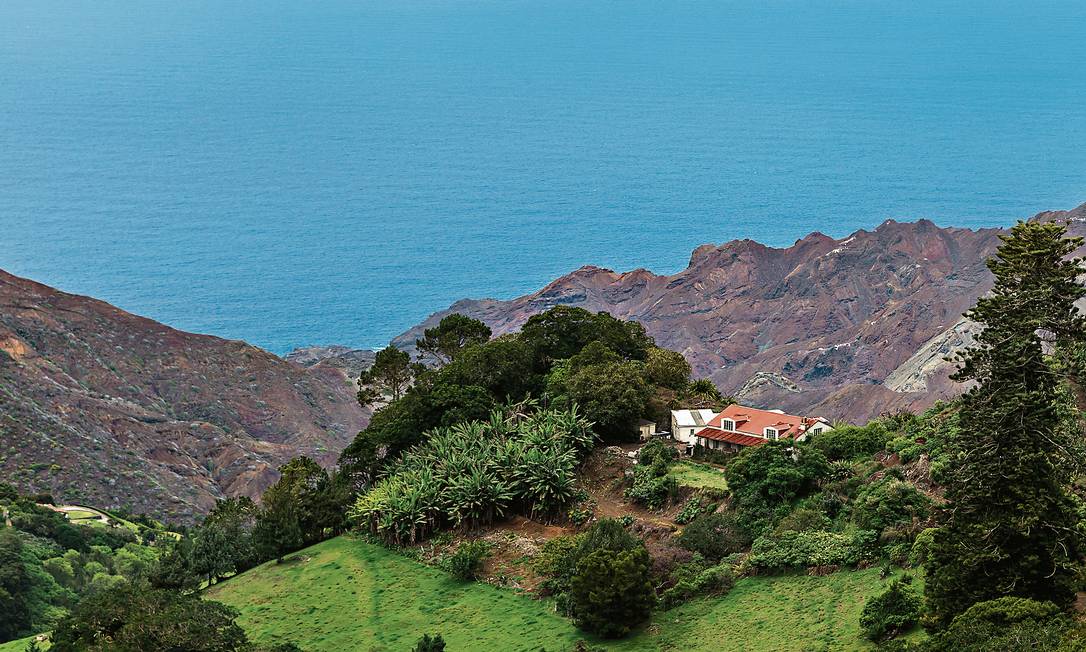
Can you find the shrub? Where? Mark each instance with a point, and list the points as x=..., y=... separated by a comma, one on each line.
x=887, y=503
x=696, y=579
x=922, y=547
x=467, y=561
x=895, y=610
x=713, y=536
x=611, y=592
x=1008, y=623
x=657, y=451
x=559, y=557
x=712, y=455
x=804, y=519
x=767, y=477
x=650, y=487
x=789, y=550
x=852, y=442
x=695, y=507
x=429, y=643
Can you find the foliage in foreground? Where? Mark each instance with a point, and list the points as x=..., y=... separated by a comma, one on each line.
x=1011, y=525
x=135, y=618
x=473, y=473
x=611, y=592
x=893, y=611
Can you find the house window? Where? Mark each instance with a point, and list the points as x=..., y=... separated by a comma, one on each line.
x=727, y=424
x=771, y=433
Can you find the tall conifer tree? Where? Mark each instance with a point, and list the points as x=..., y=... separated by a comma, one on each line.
x=1010, y=522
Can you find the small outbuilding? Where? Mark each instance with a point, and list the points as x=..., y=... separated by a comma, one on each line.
x=647, y=429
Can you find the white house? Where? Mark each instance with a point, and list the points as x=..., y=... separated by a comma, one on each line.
x=685, y=424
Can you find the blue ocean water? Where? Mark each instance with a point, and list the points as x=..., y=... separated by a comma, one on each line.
x=325, y=171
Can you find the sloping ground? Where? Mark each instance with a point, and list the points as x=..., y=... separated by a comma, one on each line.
x=20, y=645
x=344, y=594
x=99, y=406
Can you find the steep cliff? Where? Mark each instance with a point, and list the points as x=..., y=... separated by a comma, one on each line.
x=101, y=406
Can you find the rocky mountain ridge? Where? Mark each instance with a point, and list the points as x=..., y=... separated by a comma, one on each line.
x=846, y=328
x=104, y=407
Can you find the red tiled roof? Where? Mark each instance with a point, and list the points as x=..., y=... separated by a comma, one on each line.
x=731, y=437
x=751, y=424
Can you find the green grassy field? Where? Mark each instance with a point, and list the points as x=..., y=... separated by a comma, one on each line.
x=20, y=645
x=345, y=594
x=692, y=474
x=80, y=514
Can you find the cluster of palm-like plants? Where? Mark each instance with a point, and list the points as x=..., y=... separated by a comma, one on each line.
x=522, y=460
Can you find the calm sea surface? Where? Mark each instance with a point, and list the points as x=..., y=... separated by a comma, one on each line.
x=328, y=171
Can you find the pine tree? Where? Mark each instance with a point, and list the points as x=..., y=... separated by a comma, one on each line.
x=1010, y=523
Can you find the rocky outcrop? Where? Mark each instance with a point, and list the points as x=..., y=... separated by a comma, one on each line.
x=352, y=362
x=850, y=328
x=102, y=407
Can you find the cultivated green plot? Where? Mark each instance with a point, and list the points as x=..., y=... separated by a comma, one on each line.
x=692, y=474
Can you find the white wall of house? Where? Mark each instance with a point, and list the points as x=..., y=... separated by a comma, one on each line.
x=683, y=427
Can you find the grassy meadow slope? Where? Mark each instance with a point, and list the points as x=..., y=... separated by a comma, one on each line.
x=345, y=594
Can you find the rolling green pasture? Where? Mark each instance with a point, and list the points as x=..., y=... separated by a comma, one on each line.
x=345, y=594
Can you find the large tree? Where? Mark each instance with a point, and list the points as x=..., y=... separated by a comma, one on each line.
x=1009, y=527
x=613, y=396
x=444, y=342
x=136, y=618
x=388, y=378
x=14, y=586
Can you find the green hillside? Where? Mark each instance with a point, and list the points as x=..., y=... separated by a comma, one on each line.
x=345, y=594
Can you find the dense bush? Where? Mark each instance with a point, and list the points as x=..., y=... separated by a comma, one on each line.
x=652, y=487
x=922, y=547
x=714, y=536
x=773, y=475
x=429, y=643
x=657, y=452
x=852, y=442
x=611, y=593
x=697, y=505
x=789, y=550
x=467, y=561
x=697, y=579
x=130, y=618
x=559, y=557
x=888, y=502
x=1008, y=623
x=893, y=611
x=803, y=519
x=712, y=455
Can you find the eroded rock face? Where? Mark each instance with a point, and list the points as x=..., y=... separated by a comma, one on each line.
x=825, y=326
x=101, y=406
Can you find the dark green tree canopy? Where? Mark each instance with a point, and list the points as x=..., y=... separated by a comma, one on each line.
x=1010, y=526
x=135, y=618
x=388, y=378
x=444, y=342
x=563, y=331
x=667, y=369
x=611, y=592
x=614, y=395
